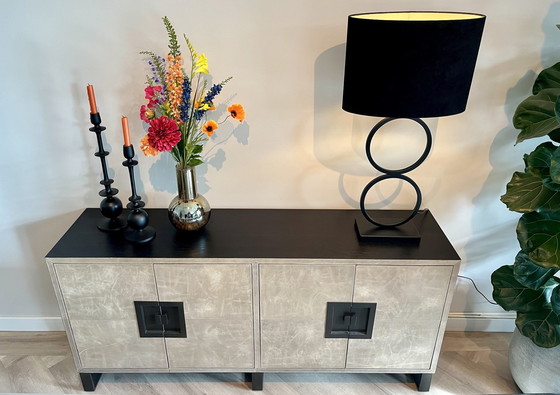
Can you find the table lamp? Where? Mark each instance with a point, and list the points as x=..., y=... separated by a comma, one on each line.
x=407, y=65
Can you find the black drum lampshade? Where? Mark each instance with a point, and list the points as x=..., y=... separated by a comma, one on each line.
x=410, y=64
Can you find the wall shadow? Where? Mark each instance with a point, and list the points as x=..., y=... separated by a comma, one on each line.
x=339, y=137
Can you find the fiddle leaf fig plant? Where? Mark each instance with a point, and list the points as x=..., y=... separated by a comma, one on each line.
x=531, y=286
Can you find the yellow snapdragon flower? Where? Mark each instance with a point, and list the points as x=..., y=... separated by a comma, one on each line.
x=201, y=64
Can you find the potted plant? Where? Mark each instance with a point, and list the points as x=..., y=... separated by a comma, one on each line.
x=530, y=286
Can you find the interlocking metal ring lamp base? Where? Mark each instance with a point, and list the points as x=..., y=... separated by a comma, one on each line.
x=390, y=225
x=410, y=65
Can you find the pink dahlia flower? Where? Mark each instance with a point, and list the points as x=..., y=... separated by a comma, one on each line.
x=163, y=134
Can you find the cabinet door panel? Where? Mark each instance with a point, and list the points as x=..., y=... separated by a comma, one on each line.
x=293, y=315
x=410, y=303
x=99, y=300
x=218, y=305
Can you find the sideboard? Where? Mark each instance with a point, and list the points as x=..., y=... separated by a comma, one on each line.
x=255, y=291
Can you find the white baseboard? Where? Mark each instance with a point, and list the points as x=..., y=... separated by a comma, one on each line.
x=481, y=322
x=461, y=322
x=31, y=324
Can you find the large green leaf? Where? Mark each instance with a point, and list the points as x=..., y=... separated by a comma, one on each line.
x=557, y=109
x=535, y=116
x=555, y=299
x=198, y=149
x=529, y=274
x=539, y=237
x=510, y=294
x=548, y=78
x=555, y=167
x=542, y=327
x=542, y=162
x=526, y=192
x=538, y=161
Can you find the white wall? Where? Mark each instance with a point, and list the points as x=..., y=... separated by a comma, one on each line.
x=298, y=148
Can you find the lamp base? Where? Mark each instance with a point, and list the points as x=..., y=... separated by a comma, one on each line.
x=368, y=231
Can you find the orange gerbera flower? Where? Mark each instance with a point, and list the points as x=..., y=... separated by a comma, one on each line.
x=146, y=148
x=237, y=112
x=209, y=127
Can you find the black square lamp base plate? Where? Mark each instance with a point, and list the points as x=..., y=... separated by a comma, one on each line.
x=368, y=231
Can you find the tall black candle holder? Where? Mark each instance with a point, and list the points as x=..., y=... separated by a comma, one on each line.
x=138, y=230
x=111, y=206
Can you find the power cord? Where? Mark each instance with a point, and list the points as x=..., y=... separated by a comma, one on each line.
x=477, y=290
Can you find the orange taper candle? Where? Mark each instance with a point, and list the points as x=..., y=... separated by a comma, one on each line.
x=125, y=132
x=91, y=98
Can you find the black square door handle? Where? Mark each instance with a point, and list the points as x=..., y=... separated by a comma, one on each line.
x=160, y=319
x=350, y=320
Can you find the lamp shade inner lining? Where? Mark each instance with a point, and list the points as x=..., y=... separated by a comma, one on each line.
x=418, y=16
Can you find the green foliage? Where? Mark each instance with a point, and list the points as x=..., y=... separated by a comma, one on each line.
x=527, y=192
x=540, y=326
x=535, y=317
x=530, y=286
x=529, y=274
x=538, y=161
x=191, y=48
x=536, y=116
x=510, y=294
x=548, y=78
x=539, y=237
x=195, y=158
x=555, y=300
x=195, y=161
x=173, y=44
x=555, y=169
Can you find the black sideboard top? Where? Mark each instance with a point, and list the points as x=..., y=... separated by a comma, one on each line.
x=255, y=233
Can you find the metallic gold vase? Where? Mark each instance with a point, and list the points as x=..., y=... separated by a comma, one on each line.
x=189, y=210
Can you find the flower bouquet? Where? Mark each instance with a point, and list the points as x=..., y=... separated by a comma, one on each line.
x=179, y=102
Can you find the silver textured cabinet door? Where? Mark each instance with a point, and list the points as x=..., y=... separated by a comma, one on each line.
x=218, y=304
x=99, y=301
x=293, y=301
x=410, y=304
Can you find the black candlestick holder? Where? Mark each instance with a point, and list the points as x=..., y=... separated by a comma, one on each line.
x=138, y=230
x=111, y=206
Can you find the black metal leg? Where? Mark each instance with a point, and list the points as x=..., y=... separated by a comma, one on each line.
x=423, y=381
x=257, y=381
x=90, y=380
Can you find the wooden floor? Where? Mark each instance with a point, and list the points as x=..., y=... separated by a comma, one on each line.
x=41, y=362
